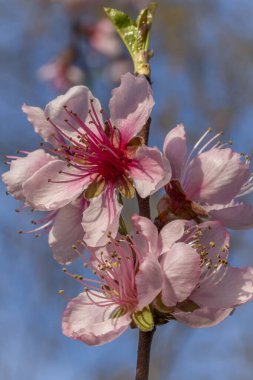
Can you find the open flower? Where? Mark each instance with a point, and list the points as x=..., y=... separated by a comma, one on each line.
x=205, y=296
x=98, y=161
x=207, y=183
x=128, y=280
x=150, y=278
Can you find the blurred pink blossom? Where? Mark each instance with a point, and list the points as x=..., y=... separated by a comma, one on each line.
x=62, y=76
x=103, y=38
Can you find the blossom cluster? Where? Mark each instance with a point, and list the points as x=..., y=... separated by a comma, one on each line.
x=175, y=268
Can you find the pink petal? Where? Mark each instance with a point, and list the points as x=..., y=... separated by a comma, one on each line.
x=181, y=265
x=131, y=105
x=235, y=215
x=215, y=176
x=65, y=233
x=145, y=235
x=148, y=281
x=150, y=171
x=90, y=323
x=170, y=234
x=78, y=100
x=36, y=117
x=225, y=287
x=44, y=195
x=175, y=149
x=22, y=169
x=100, y=219
x=203, y=317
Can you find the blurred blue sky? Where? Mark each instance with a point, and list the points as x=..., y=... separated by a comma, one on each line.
x=208, y=81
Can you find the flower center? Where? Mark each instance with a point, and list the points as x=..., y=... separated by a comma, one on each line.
x=94, y=149
x=115, y=270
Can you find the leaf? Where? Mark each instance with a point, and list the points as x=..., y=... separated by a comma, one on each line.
x=135, y=34
x=125, y=27
x=144, y=22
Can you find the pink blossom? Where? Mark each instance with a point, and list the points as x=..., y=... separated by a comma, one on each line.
x=180, y=273
x=129, y=279
x=62, y=76
x=207, y=183
x=207, y=296
x=97, y=161
x=103, y=38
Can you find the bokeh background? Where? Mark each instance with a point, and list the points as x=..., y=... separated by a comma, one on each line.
x=202, y=76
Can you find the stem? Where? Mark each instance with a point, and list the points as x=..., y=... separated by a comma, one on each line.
x=143, y=203
x=145, y=338
x=144, y=347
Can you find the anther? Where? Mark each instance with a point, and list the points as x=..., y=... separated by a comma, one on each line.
x=61, y=291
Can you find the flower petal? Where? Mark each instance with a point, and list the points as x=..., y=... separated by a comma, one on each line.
x=145, y=235
x=203, y=317
x=148, y=281
x=225, y=287
x=22, y=169
x=59, y=191
x=37, y=118
x=100, y=219
x=213, y=238
x=131, y=105
x=66, y=231
x=78, y=100
x=175, y=149
x=150, y=171
x=90, y=323
x=215, y=176
x=235, y=215
x=170, y=234
x=181, y=265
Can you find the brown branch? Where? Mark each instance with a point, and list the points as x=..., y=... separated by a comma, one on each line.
x=144, y=347
x=145, y=338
